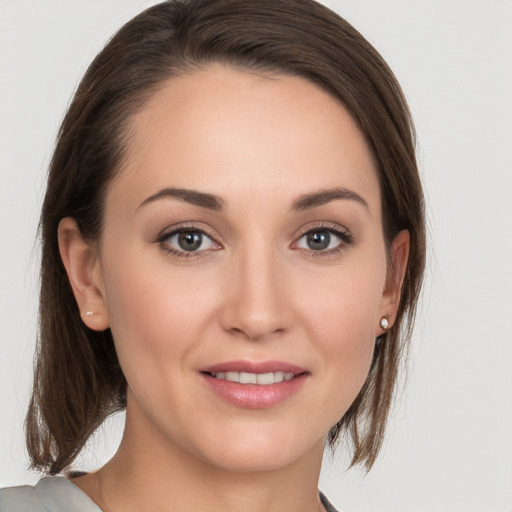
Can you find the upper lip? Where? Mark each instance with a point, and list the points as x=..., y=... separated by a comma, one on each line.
x=254, y=367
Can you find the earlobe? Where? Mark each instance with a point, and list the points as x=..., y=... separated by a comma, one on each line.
x=397, y=267
x=82, y=265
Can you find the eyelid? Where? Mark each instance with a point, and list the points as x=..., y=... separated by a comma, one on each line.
x=173, y=230
x=186, y=226
x=340, y=231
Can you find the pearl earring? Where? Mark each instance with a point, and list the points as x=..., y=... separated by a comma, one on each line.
x=89, y=313
x=384, y=323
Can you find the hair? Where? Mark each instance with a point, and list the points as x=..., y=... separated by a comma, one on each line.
x=78, y=381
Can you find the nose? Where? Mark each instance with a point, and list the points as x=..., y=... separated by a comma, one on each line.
x=256, y=303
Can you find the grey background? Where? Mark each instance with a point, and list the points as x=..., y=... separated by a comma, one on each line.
x=450, y=445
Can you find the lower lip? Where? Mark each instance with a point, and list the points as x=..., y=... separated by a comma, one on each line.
x=254, y=396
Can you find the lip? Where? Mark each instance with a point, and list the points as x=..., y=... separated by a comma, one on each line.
x=254, y=396
x=254, y=367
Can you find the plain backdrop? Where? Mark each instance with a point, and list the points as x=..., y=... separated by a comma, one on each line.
x=449, y=446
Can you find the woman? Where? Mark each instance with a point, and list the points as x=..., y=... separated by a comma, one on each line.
x=233, y=248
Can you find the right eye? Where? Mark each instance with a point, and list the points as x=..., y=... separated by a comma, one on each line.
x=186, y=242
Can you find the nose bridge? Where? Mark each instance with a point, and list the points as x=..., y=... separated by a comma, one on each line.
x=257, y=306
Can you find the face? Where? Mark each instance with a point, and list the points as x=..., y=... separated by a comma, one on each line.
x=242, y=242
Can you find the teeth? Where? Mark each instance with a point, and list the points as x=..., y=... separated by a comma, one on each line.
x=248, y=378
x=254, y=378
x=233, y=376
x=265, y=378
x=278, y=376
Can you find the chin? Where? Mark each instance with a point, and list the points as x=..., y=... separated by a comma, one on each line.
x=251, y=462
x=263, y=453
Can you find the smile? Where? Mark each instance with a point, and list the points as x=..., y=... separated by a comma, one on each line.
x=263, y=379
x=254, y=385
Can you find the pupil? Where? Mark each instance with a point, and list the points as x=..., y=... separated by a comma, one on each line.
x=190, y=240
x=319, y=240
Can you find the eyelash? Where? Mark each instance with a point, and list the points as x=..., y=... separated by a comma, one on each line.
x=165, y=235
x=345, y=237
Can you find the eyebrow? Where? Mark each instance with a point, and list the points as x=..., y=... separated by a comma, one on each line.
x=213, y=202
x=309, y=201
x=189, y=196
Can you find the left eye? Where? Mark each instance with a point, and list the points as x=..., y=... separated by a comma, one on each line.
x=319, y=240
x=189, y=241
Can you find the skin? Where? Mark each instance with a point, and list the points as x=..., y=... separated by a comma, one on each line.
x=256, y=292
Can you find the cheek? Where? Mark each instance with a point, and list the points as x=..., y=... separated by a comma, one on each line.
x=341, y=316
x=159, y=315
x=152, y=315
x=343, y=304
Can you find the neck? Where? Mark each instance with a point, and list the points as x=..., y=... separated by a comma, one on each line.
x=149, y=472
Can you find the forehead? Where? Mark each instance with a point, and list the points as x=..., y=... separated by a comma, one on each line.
x=232, y=132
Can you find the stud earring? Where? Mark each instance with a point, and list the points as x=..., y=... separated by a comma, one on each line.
x=89, y=313
x=384, y=323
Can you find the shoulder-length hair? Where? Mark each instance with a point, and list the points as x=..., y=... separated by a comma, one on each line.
x=78, y=381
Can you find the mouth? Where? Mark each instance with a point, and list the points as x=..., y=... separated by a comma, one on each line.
x=263, y=379
x=255, y=385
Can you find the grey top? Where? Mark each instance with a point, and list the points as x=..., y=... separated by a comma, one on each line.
x=58, y=494
x=51, y=494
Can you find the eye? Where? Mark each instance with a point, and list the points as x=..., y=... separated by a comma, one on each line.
x=319, y=240
x=324, y=239
x=184, y=241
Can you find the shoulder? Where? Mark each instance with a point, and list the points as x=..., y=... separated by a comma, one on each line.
x=14, y=499
x=53, y=493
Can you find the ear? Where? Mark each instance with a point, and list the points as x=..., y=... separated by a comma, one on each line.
x=394, y=279
x=80, y=258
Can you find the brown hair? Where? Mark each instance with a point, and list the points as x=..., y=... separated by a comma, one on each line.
x=78, y=381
